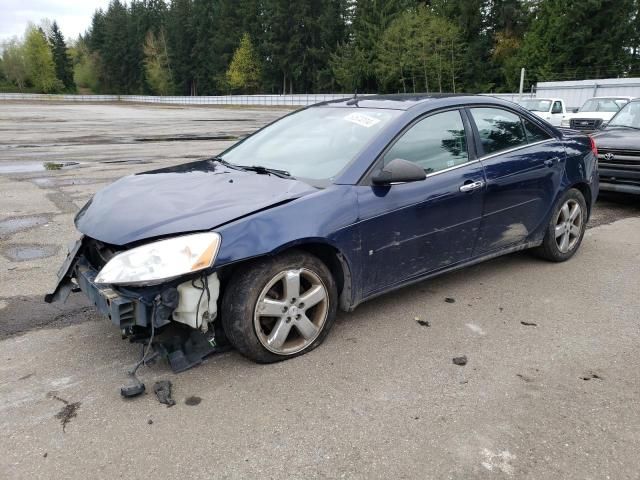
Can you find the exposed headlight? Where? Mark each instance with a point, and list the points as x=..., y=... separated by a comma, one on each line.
x=161, y=261
x=565, y=123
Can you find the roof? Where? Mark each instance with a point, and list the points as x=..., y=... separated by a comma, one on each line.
x=393, y=102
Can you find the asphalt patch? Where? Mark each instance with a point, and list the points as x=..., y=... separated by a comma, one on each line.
x=24, y=253
x=19, y=224
x=24, y=313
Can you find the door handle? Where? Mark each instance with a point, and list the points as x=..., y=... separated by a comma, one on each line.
x=469, y=187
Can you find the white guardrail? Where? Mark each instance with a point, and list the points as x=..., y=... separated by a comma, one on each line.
x=274, y=100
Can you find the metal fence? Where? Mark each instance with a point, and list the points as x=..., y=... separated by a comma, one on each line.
x=267, y=100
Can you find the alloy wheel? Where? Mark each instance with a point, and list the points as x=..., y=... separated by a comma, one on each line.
x=291, y=311
x=568, y=226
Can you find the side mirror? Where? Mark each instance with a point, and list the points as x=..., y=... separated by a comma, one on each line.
x=603, y=125
x=398, y=171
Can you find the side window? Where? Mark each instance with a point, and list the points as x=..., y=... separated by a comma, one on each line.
x=435, y=143
x=557, y=107
x=499, y=129
x=534, y=133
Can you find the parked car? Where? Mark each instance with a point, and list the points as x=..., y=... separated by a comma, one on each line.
x=324, y=209
x=619, y=151
x=553, y=110
x=594, y=113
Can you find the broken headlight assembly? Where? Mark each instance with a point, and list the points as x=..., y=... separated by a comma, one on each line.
x=161, y=261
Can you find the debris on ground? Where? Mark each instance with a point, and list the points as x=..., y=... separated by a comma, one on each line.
x=69, y=411
x=422, y=323
x=528, y=324
x=192, y=401
x=590, y=376
x=450, y=300
x=45, y=454
x=162, y=389
x=460, y=361
x=149, y=422
x=524, y=377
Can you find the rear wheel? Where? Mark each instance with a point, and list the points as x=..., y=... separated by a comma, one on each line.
x=566, y=228
x=279, y=307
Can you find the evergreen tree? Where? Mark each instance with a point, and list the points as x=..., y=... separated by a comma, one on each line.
x=180, y=39
x=588, y=39
x=64, y=66
x=244, y=71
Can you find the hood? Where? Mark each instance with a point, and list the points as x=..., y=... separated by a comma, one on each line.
x=612, y=138
x=191, y=197
x=602, y=115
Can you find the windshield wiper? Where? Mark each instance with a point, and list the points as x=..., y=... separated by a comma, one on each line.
x=254, y=168
x=265, y=170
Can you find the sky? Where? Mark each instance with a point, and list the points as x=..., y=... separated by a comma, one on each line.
x=73, y=16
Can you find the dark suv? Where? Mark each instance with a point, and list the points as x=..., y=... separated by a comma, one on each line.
x=619, y=151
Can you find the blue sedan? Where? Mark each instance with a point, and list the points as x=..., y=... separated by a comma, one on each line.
x=324, y=209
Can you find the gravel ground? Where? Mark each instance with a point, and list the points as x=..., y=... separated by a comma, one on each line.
x=549, y=389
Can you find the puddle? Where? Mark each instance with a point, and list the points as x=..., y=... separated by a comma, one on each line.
x=14, y=225
x=186, y=138
x=28, y=167
x=23, y=253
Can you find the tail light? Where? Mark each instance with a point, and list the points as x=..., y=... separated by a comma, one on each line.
x=594, y=147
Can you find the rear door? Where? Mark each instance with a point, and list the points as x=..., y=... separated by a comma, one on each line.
x=523, y=165
x=414, y=228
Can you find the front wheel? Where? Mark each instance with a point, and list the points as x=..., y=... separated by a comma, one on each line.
x=279, y=307
x=566, y=228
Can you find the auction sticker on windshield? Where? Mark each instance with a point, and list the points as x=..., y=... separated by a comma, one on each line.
x=362, y=119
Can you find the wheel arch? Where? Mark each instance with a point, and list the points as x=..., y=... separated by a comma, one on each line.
x=585, y=189
x=337, y=263
x=334, y=259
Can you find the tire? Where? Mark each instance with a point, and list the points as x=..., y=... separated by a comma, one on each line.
x=566, y=228
x=268, y=286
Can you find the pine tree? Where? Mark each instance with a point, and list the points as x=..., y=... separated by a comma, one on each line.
x=64, y=66
x=244, y=71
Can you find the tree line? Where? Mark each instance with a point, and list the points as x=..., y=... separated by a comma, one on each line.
x=206, y=47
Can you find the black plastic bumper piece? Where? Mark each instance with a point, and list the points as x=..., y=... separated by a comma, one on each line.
x=124, y=312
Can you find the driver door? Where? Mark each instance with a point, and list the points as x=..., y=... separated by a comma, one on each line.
x=411, y=229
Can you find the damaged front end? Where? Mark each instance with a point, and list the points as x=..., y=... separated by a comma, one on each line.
x=172, y=311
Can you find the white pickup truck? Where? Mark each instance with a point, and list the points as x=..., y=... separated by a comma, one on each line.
x=553, y=110
x=594, y=113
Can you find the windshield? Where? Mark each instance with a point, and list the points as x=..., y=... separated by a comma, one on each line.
x=603, y=105
x=316, y=143
x=628, y=116
x=536, y=105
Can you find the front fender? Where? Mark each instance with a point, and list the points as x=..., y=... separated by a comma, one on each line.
x=327, y=217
